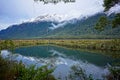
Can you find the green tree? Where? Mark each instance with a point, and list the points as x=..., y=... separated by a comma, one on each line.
x=102, y=22
x=115, y=22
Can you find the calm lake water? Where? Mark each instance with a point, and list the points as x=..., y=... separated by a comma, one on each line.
x=63, y=59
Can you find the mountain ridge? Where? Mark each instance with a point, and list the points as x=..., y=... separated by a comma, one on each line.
x=74, y=28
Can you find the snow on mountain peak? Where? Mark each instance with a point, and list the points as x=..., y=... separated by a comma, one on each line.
x=55, y=18
x=47, y=17
x=61, y=19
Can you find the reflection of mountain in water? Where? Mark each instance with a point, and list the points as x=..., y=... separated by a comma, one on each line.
x=54, y=51
x=61, y=62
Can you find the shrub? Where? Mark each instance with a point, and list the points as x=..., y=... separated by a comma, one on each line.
x=10, y=70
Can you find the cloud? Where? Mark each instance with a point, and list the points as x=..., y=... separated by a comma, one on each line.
x=57, y=26
x=61, y=24
x=3, y=26
x=17, y=10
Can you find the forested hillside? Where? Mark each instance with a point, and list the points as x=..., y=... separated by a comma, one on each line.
x=75, y=28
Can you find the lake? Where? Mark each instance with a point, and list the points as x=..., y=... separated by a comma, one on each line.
x=62, y=59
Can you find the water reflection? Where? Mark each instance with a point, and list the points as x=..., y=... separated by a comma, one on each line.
x=56, y=53
x=59, y=60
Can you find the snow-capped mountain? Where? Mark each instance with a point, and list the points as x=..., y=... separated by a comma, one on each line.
x=61, y=20
x=58, y=27
x=47, y=17
x=57, y=18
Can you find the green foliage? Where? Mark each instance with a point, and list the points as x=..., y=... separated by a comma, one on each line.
x=116, y=21
x=42, y=73
x=10, y=70
x=101, y=24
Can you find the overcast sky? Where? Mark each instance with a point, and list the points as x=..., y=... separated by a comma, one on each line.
x=16, y=11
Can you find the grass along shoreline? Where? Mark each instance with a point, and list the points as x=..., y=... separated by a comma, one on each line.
x=112, y=44
x=109, y=47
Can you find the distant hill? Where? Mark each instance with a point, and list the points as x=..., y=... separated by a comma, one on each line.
x=48, y=27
